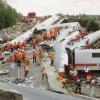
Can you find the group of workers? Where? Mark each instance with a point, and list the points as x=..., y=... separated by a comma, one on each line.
x=46, y=36
x=14, y=46
x=20, y=57
x=81, y=35
x=66, y=74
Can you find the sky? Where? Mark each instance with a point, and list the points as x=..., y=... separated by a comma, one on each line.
x=48, y=7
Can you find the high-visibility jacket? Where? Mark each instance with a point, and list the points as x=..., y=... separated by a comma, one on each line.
x=26, y=60
x=18, y=57
x=88, y=78
x=52, y=34
x=26, y=63
x=23, y=54
x=11, y=46
x=34, y=53
x=41, y=50
x=55, y=33
x=15, y=45
x=83, y=33
x=51, y=56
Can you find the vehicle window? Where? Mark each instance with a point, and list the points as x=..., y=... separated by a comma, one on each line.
x=95, y=54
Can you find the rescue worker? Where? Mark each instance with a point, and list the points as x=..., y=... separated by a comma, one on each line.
x=11, y=47
x=23, y=54
x=86, y=71
x=18, y=58
x=51, y=56
x=78, y=86
x=70, y=68
x=66, y=70
x=26, y=63
x=15, y=45
x=64, y=82
x=61, y=73
x=75, y=74
x=40, y=51
x=15, y=54
x=11, y=60
x=88, y=79
x=34, y=44
x=34, y=54
x=53, y=35
x=44, y=73
x=50, y=35
x=44, y=35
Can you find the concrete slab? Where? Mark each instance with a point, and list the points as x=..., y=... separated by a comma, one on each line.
x=52, y=79
x=3, y=72
x=8, y=93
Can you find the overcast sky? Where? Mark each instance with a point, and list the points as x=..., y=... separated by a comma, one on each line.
x=45, y=7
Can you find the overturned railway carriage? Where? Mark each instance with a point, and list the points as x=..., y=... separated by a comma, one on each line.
x=86, y=57
x=89, y=58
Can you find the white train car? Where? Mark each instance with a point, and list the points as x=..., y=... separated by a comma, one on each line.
x=87, y=57
x=82, y=43
x=46, y=24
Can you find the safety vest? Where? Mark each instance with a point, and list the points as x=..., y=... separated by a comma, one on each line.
x=26, y=60
x=23, y=54
x=88, y=78
x=51, y=56
x=18, y=57
x=34, y=54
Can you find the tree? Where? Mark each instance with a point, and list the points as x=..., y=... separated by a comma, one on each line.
x=92, y=25
x=8, y=16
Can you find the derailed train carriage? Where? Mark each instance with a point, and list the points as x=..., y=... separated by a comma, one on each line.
x=83, y=58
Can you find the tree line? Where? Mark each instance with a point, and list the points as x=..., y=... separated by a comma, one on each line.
x=8, y=16
x=89, y=22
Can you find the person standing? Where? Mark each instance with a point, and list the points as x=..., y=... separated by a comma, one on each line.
x=11, y=60
x=34, y=43
x=75, y=74
x=66, y=70
x=40, y=52
x=34, y=54
x=18, y=59
x=70, y=68
x=86, y=71
x=51, y=56
x=44, y=73
x=78, y=86
x=23, y=54
x=26, y=63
